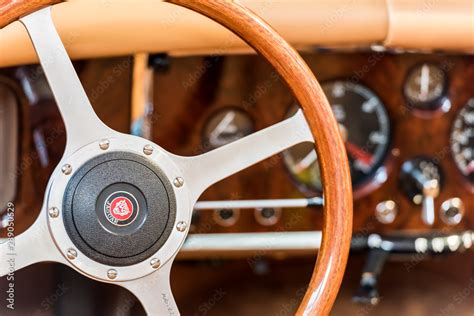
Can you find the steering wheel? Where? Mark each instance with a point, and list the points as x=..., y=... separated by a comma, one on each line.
x=118, y=207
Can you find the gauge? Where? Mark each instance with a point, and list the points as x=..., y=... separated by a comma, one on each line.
x=364, y=126
x=462, y=141
x=425, y=88
x=225, y=126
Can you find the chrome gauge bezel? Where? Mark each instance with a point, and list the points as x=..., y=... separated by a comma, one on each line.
x=206, y=144
x=379, y=171
x=427, y=109
x=457, y=120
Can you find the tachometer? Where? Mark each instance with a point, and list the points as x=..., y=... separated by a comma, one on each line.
x=462, y=141
x=365, y=128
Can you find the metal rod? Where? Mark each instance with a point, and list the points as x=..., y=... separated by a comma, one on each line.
x=235, y=244
x=255, y=204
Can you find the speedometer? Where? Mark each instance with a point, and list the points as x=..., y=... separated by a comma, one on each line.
x=462, y=141
x=365, y=128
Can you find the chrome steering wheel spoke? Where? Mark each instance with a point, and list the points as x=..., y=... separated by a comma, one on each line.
x=82, y=124
x=154, y=292
x=33, y=246
x=204, y=170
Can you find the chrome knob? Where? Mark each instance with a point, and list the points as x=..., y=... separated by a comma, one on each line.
x=452, y=211
x=386, y=212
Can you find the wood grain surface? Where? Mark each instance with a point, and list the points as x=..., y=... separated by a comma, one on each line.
x=192, y=89
x=12, y=10
x=210, y=84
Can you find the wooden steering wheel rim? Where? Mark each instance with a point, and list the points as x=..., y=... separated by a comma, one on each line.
x=337, y=227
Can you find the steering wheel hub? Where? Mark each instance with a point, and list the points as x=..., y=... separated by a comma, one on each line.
x=119, y=209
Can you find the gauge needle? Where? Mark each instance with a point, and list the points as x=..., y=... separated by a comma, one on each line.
x=425, y=80
x=359, y=153
x=470, y=167
x=306, y=162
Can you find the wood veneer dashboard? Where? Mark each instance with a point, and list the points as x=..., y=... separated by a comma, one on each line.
x=190, y=90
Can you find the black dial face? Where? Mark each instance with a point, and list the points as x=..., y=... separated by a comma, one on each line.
x=225, y=126
x=425, y=88
x=365, y=129
x=462, y=141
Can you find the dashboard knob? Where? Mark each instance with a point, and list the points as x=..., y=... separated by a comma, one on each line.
x=421, y=180
x=386, y=211
x=452, y=211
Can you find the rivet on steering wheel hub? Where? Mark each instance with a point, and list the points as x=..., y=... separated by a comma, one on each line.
x=148, y=150
x=155, y=263
x=71, y=254
x=66, y=169
x=178, y=182
x=181, y=226
x=104, y=144
x=112, y=274
x=53, y=212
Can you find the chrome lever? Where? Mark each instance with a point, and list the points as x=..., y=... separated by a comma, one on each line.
x=421, y=179
x=430, y=192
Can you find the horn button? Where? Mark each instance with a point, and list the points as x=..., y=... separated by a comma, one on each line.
x=119, y=209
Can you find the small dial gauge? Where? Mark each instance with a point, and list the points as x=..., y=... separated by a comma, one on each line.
x=365, y=128
x=425, y=88
x=462, y=141
x=225, y=126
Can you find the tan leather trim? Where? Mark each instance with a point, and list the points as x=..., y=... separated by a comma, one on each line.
x=93, y=28
x=431, y=24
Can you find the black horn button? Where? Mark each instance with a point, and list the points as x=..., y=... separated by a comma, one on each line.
x=119, y=209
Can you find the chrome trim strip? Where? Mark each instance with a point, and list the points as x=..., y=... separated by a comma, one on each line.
x=200, y=244
x=255, y=204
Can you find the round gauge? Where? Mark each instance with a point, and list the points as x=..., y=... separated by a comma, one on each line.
x=365, y=128
x=425, y=88
x=225, y=126
x=462, y=141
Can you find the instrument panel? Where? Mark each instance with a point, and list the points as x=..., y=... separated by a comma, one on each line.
x=406, y=119
x=393, y=109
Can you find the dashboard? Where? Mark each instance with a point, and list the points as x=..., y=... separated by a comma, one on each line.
x=407, y=122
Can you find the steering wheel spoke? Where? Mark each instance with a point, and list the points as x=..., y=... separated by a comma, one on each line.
x=154, y=292
x=82, y=124
x=33, y=246
x=211, y=167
